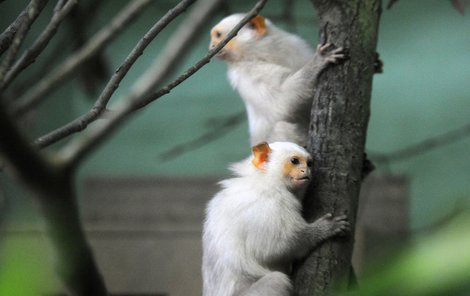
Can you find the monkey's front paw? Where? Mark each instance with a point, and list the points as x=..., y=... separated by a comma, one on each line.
x=342, y=225
x=338, y=225
x=331, y=54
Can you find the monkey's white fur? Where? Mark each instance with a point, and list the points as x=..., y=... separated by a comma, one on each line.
x=254, y=228
x=274, y=73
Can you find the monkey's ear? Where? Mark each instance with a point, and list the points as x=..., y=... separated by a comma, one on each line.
x=258, y=23
x=260, y=154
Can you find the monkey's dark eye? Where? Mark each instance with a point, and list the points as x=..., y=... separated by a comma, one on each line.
x=294, y=160
x=309, y=163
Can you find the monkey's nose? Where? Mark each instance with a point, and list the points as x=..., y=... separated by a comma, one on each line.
x=305, y=171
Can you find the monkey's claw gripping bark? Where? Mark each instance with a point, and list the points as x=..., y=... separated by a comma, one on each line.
x=342, y=224
x=332, y=226
x=331, y=54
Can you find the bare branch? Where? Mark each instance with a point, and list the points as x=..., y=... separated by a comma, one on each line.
x=391, y=3
x=101, y=39
x=166, y=62
x=94, y=72
x=206, y=138
x=141, y=95
x=459, y=5
x=288, y=14
x=41, y=42
x=27, y=21
x=147, y=84
x=82, y=122
x=51, y=57
x=7, y=36
x=423, y=146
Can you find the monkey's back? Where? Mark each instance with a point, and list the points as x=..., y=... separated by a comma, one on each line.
x=238, y=234
x=222, y=250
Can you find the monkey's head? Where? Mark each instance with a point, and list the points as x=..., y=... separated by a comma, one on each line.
x=284, y=163
x=239, y=46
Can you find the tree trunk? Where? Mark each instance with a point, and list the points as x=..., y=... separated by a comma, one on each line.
x=338, y=127
x=53, y=186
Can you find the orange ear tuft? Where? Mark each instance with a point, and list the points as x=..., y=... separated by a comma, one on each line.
x=260, y=153
x=259, y=24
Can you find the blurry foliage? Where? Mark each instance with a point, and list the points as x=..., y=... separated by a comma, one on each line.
x=437, y=264
x=22, y=272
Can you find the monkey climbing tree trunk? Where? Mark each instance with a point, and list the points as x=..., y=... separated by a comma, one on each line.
x=338, y=126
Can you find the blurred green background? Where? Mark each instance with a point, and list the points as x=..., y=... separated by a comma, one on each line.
x=423, y=92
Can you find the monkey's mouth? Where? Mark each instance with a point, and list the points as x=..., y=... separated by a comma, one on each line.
x=301, y=180
x=222, y=54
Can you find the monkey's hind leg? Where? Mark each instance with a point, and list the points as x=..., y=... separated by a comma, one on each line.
x=273, y=284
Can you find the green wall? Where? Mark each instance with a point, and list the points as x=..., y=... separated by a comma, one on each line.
x=424, y=91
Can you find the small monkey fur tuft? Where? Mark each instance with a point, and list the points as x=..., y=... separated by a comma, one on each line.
x=274, y=72
x=254, y=228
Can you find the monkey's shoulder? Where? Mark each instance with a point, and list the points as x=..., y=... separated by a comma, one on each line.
x=259, y=71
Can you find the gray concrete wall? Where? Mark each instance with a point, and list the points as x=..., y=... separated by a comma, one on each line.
x=145, y=232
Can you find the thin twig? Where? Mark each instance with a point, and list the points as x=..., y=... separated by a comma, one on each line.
x=7, y=36
x=15, y=45
x=459, y=5
x=41, y=42
x=213, y=134
x=287, y=14
x=94, y=72
x=141, y=95
x=177, y=46
x=93, y=114
x=56, y=53
x=146, y=99
x=96, y=44
x=423, y=146
x=391, y=3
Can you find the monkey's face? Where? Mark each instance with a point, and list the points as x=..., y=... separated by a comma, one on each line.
x=283, y=164
x=227, y=53
x=297, y=172
x=235, y=49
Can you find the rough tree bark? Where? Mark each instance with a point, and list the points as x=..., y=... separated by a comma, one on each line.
x=339, y=119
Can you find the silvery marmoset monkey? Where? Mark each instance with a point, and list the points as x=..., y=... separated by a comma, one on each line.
x=254, y=229
x=274, y=72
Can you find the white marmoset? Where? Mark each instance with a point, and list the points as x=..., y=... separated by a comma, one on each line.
x=254, y=228
x=274, y=72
